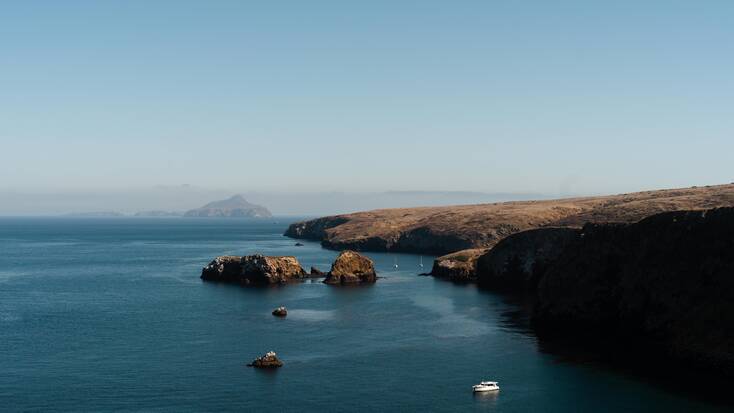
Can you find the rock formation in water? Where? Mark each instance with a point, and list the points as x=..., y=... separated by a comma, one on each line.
x=350, y=268
x=253, y=269
x=443, y=230
x=234, y=207
x=459, y=266
x=315, y=272
x=269, y=360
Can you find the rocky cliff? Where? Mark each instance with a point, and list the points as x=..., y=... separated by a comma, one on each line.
x=669, y=278
x=459, y=266
x=442, y=230
x=517, y=262
x=253, y=270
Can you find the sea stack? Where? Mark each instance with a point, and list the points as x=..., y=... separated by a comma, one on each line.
x=351, y=268
x=268, y=361
x=280, y=312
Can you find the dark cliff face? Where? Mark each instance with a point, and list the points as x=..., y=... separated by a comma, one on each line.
x=517, y=262
x=417, y=240
x=314, y=229
x=668, y=278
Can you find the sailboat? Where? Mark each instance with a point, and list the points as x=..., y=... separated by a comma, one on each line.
x=396, y=263
x=421, y=264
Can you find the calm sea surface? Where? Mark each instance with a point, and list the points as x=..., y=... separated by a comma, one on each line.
x=110, y=314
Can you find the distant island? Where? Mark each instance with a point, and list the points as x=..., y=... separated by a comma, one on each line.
x=158, y=213
x=234, y=207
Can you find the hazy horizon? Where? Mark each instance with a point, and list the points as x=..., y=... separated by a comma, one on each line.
x=571, y=98
x=184, y=197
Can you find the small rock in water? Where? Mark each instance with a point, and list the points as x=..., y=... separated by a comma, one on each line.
x=269, y=360
x=298, y=244
x=351, y=267
x=280, y=312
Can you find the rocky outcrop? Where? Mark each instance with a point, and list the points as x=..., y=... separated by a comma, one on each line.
x=668, y=278
x=350, y=268
x=253, y=270
x=234, y=207
x=443, y=230
x=268, y=361
x=459, y=266
x=314, y=229
x=518, y=261
x=280, y=312
x=315, y=272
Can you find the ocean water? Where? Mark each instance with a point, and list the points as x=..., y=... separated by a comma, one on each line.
x=110, y=315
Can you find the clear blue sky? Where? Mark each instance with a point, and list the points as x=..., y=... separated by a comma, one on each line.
x=552, y=97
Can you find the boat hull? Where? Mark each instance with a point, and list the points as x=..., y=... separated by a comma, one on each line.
x=485, y=390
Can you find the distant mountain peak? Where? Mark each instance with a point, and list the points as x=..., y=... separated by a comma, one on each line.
x=234, y=206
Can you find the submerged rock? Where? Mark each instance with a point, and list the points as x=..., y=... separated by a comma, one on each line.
x=253, y=269
x=351, y=267
x=298, y=244
x=269, y=360
x=280, y=312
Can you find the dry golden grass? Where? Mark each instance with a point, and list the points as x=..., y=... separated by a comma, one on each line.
x=484, y=225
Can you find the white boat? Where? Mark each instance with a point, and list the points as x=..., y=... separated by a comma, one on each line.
x=421, y=264
x=486, y=386
x=396, y=262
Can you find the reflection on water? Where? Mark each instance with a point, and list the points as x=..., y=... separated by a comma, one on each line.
x=451, y=323
x=487, y=398
x=630, y=357
x=311, y=315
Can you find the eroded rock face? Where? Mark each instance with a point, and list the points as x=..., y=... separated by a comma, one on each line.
x=253, y=269
x=444, y=230
x=226, y=268
x=350, y=268
x=668, y=278
x=518, y=261
x=315, y=272
x=269, y=360
x=459, y=266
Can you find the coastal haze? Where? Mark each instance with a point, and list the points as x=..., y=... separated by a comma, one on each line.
x=375, y=206
x=181, y=198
